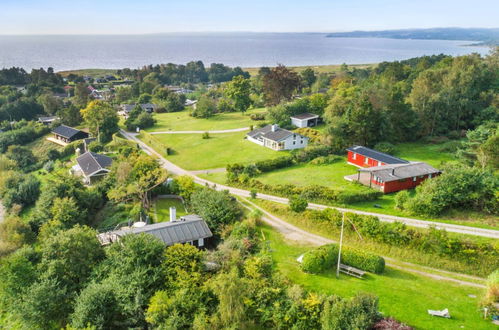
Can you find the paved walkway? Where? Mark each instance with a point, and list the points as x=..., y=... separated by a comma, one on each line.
x=213, y=170
x=293, y=233
x=169, y=166
x=234, y=130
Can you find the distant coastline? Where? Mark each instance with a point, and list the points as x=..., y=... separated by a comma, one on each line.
x=481, y=36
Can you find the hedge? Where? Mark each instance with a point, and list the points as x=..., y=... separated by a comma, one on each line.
x=326, y=257
x=22, y=136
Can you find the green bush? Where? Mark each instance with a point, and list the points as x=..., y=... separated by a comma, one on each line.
x=297, y=204
x=206, y=135
x=326, y=257
x=385, y=147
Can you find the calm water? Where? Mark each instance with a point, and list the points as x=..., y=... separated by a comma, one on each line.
x=242, y=49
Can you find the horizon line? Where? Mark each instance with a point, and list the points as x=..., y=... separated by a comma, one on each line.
x=238, y=31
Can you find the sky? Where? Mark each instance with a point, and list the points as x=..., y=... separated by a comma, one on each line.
x=163, y=16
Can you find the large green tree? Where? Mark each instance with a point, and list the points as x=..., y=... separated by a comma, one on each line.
x=239, y=90
x=101, y=119
x=280, y=84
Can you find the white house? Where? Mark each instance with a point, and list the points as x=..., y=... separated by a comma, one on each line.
x=305, y=120
x=276, y=138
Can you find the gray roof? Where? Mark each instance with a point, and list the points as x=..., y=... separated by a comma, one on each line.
x=266, y=132
x=48, y=119
x=66, y=131
x=396, y=172
x=304, y=116
x=91, y=163
x=377, y=155
x=188, y=228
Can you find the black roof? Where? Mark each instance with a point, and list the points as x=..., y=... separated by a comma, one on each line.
x=66, y=131
x=377, y=155
x=90, y=162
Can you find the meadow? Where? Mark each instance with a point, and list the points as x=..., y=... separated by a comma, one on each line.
x=403, y=295
x=192, y=152
x=183, y=121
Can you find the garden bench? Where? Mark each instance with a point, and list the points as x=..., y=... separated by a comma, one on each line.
x=442, y=313
x=352, y=271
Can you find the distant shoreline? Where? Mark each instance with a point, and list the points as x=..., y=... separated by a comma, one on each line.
x=328, y=68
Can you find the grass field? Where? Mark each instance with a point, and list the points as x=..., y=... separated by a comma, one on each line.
x=329, y=175
x=88, y=72
x=41, y=146
x=182, y=121
x=163, y=205
x=403, y=295
x=192, y=152
x=433, y=154
x=317, y=68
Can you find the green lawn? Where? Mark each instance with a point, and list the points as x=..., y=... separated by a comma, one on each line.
x=182, y=121
x=329, y=175
x=432, y=154
x=163, y=205
x=403, y=295
x=192, y=152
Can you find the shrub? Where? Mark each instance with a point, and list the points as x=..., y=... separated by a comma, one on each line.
x=311, y=152
x=313, y=134
x=258, y=116
x=385, y=147
x=326, y=257
x=297, y=204
x=491, y=298
x=323, y=160
x=206, y=135
x=253, y=193
x=401, y=199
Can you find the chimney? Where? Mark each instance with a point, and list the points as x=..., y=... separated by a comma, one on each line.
x=173, y=214
x=274, y=127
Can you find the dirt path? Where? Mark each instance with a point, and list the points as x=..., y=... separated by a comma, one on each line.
x=234, y=130
x=169, y=166
x=294, y=233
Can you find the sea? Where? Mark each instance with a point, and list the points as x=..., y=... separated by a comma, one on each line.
x=65, y=52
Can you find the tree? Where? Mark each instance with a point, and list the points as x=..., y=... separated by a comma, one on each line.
x=45, y=305
x=205, y=107
x=217, y=208
x=101, y=119
x=66, y=211
x=98, y=305
x=70, y=256
x=70, y=115
x=20, y=189
x=50, y=103
x=133, y=177
x=238, y=90
x=14, y=233
x=22, y=156
x=308, y=77
x=279, y=84
x=82, y=95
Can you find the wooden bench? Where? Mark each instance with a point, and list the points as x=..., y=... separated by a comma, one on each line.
x=352, y=271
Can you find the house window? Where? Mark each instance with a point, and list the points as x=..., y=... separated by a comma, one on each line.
x=301, y=141
x=354, y=156
x=366, y=160
x=414, y=179
x=294, y=142
x=429, y=175
x=379, y=163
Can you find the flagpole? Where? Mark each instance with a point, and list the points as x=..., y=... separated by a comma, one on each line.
x=341, y=243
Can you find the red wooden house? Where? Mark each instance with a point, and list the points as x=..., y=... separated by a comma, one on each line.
x=385, y=172
x=364, y=157
x=396, y=177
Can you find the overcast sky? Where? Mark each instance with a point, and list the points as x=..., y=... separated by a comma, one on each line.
x=156, y=16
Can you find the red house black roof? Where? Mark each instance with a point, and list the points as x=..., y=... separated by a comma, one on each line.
x=377, y=155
